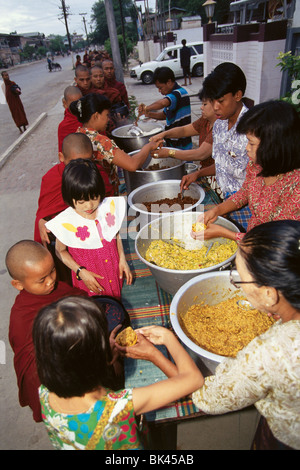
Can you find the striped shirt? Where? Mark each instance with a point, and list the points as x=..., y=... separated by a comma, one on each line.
x=178, y=114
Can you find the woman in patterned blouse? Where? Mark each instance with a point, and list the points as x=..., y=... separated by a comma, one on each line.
x=93, y=112
x=266, y=373
x=272, y=184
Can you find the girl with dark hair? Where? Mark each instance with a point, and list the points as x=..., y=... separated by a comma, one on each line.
x=74, y=356
x=93, y=112
x=272, y=184
x=87, y=232
x=266, y=373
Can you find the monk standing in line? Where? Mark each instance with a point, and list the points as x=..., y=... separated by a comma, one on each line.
x=12, y=94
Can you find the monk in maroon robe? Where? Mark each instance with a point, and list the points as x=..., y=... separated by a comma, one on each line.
x=31, y=267
x=111, y=82
x=50, y=201
x=12, y=94
x=70, y=123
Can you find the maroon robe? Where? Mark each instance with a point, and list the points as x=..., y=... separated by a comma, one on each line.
x=15, y=105
x=67, y=126
x=120, y=87
x=112, y=94
x=23, y=313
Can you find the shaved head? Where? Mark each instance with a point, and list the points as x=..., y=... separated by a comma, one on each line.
x=72, y=93
x=76, y=145
x=23, y=255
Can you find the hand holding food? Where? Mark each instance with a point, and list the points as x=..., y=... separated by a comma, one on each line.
x=127, y=337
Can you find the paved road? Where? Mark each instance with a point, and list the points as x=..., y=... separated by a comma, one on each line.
x=40, y=92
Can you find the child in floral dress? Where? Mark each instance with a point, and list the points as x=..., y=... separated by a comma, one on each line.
x=93, y=112
x=87, y=233
x=74, y=354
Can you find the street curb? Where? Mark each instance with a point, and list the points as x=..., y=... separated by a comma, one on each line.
x=4, y=157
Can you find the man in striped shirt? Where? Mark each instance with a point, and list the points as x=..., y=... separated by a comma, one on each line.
x=174, y=108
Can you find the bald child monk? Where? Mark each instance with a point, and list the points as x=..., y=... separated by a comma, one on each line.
x=50, y=201
x=70, y=123
x=33, y=273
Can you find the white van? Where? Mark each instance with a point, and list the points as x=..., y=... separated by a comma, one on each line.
x=170, y=57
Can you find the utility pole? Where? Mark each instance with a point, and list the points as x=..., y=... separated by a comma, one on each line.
x=65, y=15
x=84, y=22
x=112, y=29
x=65, y=9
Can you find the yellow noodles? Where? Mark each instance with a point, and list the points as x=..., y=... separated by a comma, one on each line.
x=170, y=256
x=224, y=328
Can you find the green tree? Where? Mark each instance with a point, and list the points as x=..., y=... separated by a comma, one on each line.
x=28, y=52
x=129, y=47
x=57, y=44
x=100, y=33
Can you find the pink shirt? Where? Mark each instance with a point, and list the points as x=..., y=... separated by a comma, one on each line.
x=278, y=201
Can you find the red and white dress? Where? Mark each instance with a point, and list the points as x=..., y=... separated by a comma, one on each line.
x=93, y=243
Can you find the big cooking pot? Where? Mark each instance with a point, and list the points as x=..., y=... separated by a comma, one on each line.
x=210, y=289
x=166, y=227
x=128, y=142
x=157, y=191
x=171, y=169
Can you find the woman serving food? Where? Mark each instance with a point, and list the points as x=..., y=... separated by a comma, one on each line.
x=266, y=372
x=272, y=184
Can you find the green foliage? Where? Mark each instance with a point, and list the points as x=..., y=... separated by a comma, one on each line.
x=100, y=33
x=291, y=64
x=129, y=47
x=57, y=44
x=28, y=52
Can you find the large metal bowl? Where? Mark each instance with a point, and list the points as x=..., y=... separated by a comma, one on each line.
x=157, y=191
x=211, y=289
x=128, y=142
x=175, y=170
x=166, y=227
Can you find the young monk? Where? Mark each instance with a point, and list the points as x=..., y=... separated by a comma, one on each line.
x=33, y=273
x=50, y=202
x=70, y=123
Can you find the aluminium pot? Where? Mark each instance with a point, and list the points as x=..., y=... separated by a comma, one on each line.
x=156, y=191
x=172, y=169
x=130, y=143
x=210, y=289
x=164, y=228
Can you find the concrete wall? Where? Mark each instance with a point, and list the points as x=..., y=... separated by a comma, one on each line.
x=258, y=60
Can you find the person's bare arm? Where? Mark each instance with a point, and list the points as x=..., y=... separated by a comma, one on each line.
x=187, y=379
x=134, y=162
x=175, y=133
x=201, y=153
x=88, y=277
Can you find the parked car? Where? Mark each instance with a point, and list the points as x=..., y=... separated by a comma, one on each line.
x=170, y=57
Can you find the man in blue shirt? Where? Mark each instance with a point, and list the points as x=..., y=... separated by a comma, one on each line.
x=175, y=107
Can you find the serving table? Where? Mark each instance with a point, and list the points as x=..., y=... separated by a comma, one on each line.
x=147, y=304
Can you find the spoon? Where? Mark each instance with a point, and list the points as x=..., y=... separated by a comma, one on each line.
x=245, y=304
x=135, y=131
x=209, y=247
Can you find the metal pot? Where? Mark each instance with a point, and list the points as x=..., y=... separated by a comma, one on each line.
x=160, y=190
x=175, y=170
x=164, y=228
x=128, y=142
x=210, y=288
